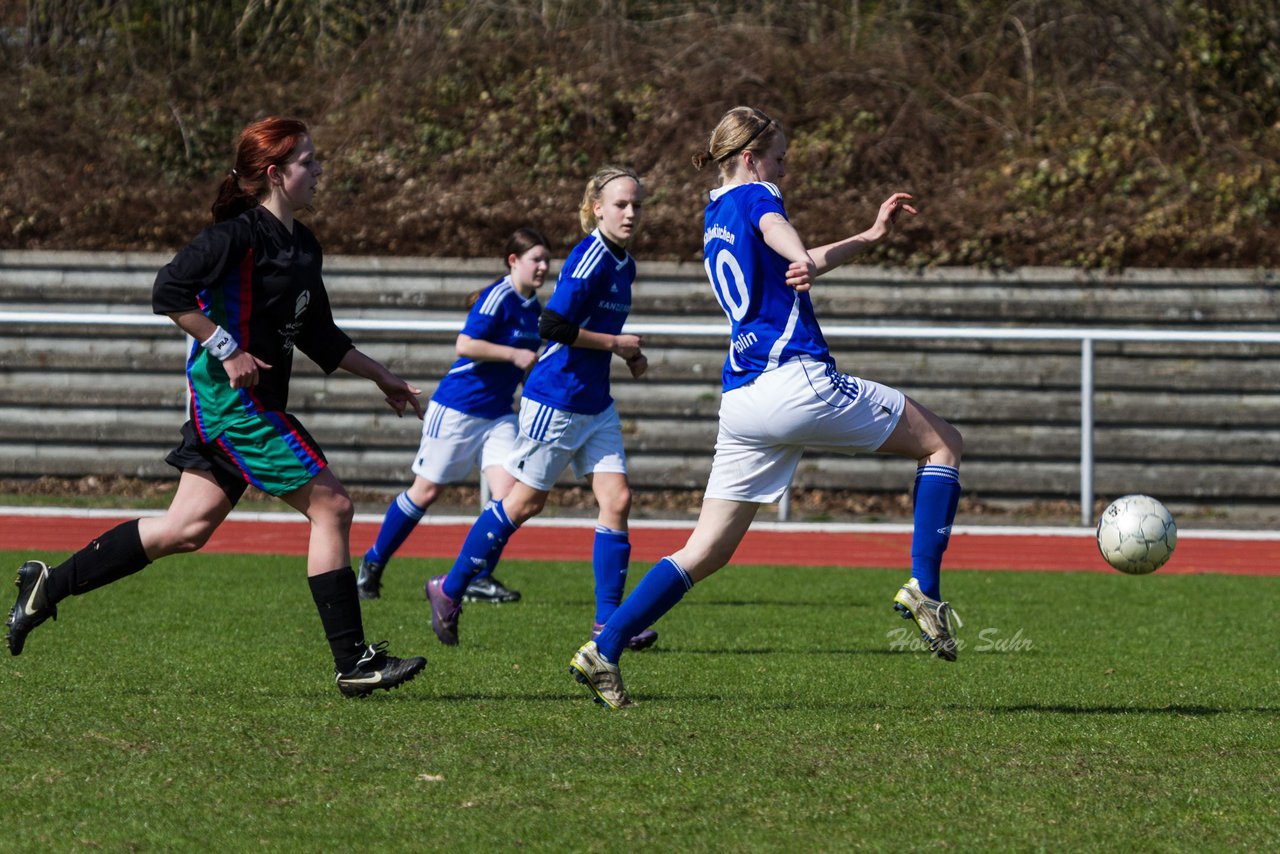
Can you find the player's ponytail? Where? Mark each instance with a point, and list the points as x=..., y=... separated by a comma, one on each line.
x=267, y=142
x=741, y=129
x=595, y=186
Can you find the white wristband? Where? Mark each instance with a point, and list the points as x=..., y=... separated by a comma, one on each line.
x=220, y=344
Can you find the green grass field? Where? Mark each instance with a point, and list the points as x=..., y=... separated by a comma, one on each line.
x=191, y=707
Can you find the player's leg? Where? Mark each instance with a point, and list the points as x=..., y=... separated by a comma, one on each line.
x=611, y=550
x=402, y=516
x=611, y=553
x=499, y=439
x=359, y=667
x=484, y=543
x=199, y=505
x=546, y=442
x=484, y=587
x=721, y=526
x=937, y=447
x=481, y=549
x=450, y=447
x=603, y=461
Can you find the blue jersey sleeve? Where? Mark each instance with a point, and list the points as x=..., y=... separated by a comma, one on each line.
x=571, y=299
x=764, y=199
x=481, y=324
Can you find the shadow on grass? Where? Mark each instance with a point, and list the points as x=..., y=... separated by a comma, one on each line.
x=1064, y=709
x=1032, y=708
x=775, y=603
x=769, y=650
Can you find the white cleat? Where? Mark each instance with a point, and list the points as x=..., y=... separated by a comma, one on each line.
x=590, y=668
x=933, y=618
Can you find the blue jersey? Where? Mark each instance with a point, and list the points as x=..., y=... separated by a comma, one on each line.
x=488, y=389
x=771, y=323
x=594, y=293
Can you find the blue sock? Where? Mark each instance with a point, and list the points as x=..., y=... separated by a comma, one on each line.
x=937, y=494
x=609, y=559
x=480, y=550
x=402, y=517
x=656, y=594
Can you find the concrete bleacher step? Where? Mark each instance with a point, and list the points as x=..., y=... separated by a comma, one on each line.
x=1190, y=421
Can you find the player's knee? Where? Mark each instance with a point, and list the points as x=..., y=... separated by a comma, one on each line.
x=698, y=562
x=616, y=502
x=189, y=537
x=521, y=508
x=343, y=509
x=424, y=494
x=334, y=509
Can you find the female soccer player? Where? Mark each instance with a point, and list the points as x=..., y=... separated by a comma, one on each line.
x=247, y=289
x=566, y=412
x=470, y=420
x=782, y=393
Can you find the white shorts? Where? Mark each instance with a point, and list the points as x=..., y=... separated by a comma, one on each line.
x=766, y=425
x=551, y=438
x=454, y=443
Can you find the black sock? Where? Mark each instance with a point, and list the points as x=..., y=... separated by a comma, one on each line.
x=108, y=558
x=339, y=607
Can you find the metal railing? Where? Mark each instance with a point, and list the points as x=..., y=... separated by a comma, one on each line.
x=1085, y=337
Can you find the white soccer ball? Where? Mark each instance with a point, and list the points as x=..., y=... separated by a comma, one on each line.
x=1136, y=534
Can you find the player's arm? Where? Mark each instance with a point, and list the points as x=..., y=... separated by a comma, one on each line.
x=241, y=366
x=399, y=394
x=554, y=327
x=842, y=251
x=480, y=350
x=781, y=236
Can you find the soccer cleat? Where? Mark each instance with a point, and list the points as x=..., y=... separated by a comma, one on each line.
x=643, y=640
x=489, y=589
x=932, y=617
x=378, y=671
x=604, y=680
x=444, y=612
x=33, y=606
x=369, y=579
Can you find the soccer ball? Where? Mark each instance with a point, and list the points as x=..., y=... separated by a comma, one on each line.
x=1136, y=534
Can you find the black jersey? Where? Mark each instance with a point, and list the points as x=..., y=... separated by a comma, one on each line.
x=261, y=284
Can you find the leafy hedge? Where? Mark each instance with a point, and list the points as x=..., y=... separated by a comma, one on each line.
x=1096, y=133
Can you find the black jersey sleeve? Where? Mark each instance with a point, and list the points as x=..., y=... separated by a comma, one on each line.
x=320, y=338
x=554, y=327
x=199, y=265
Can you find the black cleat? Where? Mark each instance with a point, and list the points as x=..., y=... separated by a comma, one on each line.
x=376, y=670
x=369, y=579
x=33, y=606
x=489, y=589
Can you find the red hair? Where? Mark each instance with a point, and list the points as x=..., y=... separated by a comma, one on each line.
x=267, y=142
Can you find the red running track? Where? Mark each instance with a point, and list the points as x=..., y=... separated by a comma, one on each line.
x=765, y=545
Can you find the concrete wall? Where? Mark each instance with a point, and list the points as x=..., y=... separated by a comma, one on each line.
x=1192, y=423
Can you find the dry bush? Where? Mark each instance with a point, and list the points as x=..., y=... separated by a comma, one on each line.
x=1087, y=132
